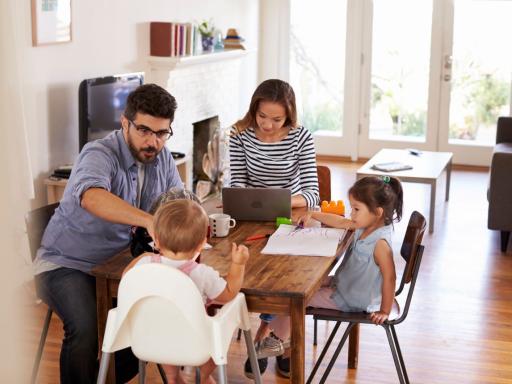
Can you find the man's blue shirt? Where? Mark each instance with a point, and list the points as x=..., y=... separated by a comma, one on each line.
x=75, y=238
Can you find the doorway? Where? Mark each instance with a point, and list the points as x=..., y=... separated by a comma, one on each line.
x=428, y=74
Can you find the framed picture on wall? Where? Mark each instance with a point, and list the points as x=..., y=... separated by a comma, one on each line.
x=51, y=22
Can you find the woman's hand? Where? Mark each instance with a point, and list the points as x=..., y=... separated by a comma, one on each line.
x=379, y=317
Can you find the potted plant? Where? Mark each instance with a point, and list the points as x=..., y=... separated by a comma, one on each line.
x=207, y=30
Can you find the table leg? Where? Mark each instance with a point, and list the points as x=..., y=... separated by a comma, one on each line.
x=298, y=325
x=448, y=177
x=103, y=305
x=353, y=347
x=431, y=217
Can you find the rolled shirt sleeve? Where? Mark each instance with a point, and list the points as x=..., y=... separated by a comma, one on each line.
x=94, y=170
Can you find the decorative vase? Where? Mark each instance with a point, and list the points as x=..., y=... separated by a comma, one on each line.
x=207, y=43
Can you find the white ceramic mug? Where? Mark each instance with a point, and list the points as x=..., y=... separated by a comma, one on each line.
x=220, y=223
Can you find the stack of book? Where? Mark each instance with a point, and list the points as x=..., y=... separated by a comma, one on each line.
x=233, y=40
x=170, y=39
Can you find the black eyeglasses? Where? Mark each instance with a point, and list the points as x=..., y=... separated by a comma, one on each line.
x=144, y=131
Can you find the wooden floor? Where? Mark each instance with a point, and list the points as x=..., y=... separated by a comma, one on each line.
x=459, y=329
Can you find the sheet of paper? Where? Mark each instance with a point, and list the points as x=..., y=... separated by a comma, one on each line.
x=304, y=242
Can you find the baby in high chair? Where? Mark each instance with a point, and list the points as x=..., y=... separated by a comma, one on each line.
x=180, y=234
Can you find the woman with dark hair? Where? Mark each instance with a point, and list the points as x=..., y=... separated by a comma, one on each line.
x=269, y=149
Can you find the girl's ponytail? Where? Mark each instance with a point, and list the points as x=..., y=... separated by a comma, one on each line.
x=396, y=186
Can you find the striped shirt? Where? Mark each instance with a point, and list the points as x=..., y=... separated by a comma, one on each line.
x=289, y=163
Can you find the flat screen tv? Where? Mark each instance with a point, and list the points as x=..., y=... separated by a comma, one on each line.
x=101, y=102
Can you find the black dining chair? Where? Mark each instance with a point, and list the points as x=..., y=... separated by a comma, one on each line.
x=36, y=221
x=411, y=251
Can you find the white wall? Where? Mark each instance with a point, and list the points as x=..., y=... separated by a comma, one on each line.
x=109, y=37
x=274, y=39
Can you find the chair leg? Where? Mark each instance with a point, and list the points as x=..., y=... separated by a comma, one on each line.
x=315, y=327
x=251, y=352
x=223, y=374
x=102, y=374
x=42, y=340
x=337, y=352
x=399, y=351
x=142, y=372
x=162, y=373
x=398, y=366
x=505, y=235
x=324, y=351
x=198, y=376
x=239, y=335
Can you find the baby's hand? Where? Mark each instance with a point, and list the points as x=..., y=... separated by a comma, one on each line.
x=239, y=254
x=379, y=317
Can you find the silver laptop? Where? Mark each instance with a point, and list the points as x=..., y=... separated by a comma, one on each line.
x=257, y=204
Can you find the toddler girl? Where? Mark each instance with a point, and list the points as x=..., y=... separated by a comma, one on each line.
x=366, y=279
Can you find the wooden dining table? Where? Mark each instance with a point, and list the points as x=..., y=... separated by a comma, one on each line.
x=276, y=284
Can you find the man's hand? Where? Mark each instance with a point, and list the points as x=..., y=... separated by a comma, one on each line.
x=149, y=227
x=239, y=254
x=379, y=317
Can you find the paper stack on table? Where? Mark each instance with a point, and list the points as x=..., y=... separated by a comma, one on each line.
x=288, y=240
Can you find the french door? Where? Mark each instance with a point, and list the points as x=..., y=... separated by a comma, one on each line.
x=428, y=74
x=476, y=69
x=396, y=67
x=318, y=45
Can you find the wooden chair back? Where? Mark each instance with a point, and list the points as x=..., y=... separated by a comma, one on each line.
x=412, y=252
x=324, y=182
x=36, y=222
x=412, y=240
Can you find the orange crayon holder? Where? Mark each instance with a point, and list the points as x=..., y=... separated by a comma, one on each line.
x=336, y=207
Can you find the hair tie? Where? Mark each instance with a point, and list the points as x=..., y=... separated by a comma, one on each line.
x=386, y=179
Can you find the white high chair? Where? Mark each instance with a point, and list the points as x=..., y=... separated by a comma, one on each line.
x=160, y=314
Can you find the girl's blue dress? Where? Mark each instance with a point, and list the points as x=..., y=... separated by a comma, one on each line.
x=358, y=281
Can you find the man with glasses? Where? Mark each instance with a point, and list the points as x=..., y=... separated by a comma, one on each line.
x=111, y=189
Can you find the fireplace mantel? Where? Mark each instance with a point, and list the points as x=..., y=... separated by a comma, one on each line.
x=204, y=86
x=170, y=63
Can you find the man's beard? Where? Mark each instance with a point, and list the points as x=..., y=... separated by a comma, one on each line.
x=140, y=154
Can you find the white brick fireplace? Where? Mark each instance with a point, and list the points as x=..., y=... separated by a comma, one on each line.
x=204, y=86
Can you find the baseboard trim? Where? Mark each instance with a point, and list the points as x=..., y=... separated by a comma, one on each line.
x=362, y=160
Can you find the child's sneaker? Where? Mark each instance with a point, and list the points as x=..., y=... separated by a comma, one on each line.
x=283, y=366
x=262, y=365
x=269, y=346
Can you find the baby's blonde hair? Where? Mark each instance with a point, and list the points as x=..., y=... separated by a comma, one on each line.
x=180, y=225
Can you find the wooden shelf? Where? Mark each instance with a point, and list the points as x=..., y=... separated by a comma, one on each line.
x=171, y=63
